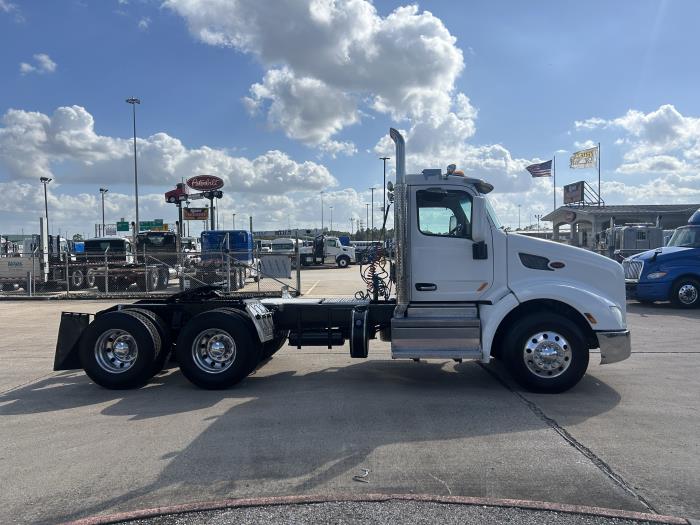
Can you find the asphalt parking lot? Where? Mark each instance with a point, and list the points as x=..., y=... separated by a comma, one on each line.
x=307, y=421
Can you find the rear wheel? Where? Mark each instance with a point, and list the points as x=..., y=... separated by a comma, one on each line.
x=148, y=281
x=163, y=332
x=163, y=278
x=545, y=353
x=77, y=279
x=117, y=350
x=686, y=293
x=216, y=350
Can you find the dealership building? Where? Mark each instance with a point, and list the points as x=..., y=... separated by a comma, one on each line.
x=586, y=222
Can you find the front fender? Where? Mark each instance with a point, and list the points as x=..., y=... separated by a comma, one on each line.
x=581, y=299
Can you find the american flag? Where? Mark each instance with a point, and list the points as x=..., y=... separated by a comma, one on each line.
x=543, y=169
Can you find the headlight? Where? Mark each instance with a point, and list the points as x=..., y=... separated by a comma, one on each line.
x=656, y=275
x=619, y=316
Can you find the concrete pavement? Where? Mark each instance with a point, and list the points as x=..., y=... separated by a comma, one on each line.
x=307, y=421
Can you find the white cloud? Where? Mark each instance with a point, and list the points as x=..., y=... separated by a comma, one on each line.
x=334, y=148
x=662, y=140
x=43, y=62
x=305, y=108
x=404, y=64
x=32, y=144
x=144, y=23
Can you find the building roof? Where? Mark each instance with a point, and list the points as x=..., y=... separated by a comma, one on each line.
x=624, y=209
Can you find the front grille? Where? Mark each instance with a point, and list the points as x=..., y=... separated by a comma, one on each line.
x=633, y=269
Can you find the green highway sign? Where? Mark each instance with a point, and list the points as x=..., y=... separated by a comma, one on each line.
x=122, y=226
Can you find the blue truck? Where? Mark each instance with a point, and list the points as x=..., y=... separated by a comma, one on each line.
x=225, y=252
x=670, y=273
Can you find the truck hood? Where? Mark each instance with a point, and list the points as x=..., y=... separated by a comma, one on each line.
x=664, y=254
x=582, y=269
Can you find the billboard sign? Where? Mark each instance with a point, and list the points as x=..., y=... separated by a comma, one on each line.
x=205, y=183
x=195, y=214
x=573, y=192
x=110, y=230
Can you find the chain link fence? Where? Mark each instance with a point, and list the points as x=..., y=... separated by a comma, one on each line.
x=112, y=273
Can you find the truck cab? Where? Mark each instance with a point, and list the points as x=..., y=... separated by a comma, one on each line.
x=670, y=273
x=327, y=250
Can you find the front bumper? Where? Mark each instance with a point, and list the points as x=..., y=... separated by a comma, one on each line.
x=614, y=346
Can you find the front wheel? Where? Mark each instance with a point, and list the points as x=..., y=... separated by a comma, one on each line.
x=343, y=262
x=546, y=353
x=686, y=293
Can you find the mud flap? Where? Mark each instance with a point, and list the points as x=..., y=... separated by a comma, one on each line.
x=69, y=332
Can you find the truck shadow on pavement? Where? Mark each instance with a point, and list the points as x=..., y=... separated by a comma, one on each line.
x=287, y=432
x=665, y=309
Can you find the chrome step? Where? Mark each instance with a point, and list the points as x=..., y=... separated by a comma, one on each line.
x=437, y=331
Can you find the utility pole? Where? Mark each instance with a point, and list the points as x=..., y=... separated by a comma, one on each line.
x=133, y=101
x=372, y=230
x=367, y=223
x=233, y=224
x=102, y=192
x=331, y=208
x=45, y=181
x=322, y=192
x=384, y=193
x=518, y=216
x=538, y=221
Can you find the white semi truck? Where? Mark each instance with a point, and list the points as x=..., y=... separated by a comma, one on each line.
x=326, y=249
x=465, y=289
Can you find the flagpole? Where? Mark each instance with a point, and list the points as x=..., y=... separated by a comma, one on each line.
x=554, y=186
x=599, y=174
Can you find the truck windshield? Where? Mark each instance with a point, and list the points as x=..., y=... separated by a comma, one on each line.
x=686, y=237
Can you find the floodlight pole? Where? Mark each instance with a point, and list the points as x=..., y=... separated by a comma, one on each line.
x=102, y=192
x=45, y=181
x=384, y=193
x=133, y=101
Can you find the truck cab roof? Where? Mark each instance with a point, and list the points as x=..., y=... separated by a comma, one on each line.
x=435, y=176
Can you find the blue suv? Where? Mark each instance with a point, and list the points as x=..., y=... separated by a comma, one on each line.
x=671, y=273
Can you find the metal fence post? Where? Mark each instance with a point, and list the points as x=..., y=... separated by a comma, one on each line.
x=298, y=257
x=228, y=272
x=106, y=272
x=145, y=269
x=28, y=288
x=67, y=276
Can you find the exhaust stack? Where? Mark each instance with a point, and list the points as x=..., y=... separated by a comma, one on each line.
x=401, y=233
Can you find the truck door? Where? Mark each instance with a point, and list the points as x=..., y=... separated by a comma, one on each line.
x=331, y=251
x=442, y=261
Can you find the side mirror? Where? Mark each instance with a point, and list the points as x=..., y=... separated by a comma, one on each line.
x=453, y=224
x=480, y=224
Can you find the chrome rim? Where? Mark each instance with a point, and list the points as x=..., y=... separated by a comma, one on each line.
x=77, y=278
x=547, y=354
x=214, y=351
x=116, y=351
x=687, y=294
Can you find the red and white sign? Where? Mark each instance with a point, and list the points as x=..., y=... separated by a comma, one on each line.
x=205, y=183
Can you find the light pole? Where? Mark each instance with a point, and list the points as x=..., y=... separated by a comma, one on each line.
x=233, y=224
x=372, y=230
x=518, y=216
x=539, y=216
x=133, y=101
x=331, y=208
x=103, y=191
x=367, y=223
x=322, y=192
x=45, y=181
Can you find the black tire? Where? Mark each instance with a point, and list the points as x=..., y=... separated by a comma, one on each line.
x=77, y=279
x=90, y=278
x=132, y=375
x=163, y=278
x=147, y=281
x=685, y=293
x=199, y=367
x=521, y=360
x=343, y=261
x=272, y=346
x=165, y=337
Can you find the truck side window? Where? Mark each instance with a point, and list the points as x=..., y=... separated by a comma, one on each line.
x=331, y=243
x=436, y=209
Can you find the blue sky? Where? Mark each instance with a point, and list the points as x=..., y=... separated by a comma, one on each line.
x=528, y=71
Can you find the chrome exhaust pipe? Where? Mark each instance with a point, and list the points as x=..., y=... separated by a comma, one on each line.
x=401, y=233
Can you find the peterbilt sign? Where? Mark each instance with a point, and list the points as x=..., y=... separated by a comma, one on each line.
x=205, y=183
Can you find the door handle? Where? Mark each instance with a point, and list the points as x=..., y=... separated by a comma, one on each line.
x=426, y=287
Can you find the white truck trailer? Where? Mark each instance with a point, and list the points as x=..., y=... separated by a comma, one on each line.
x=465, y=289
